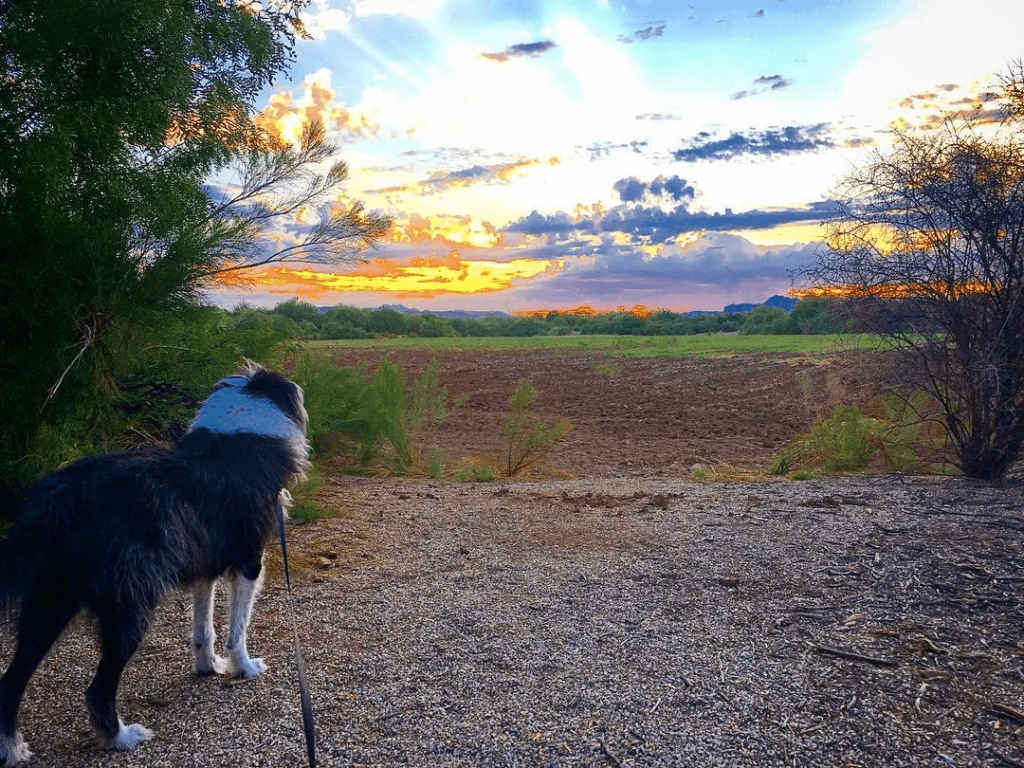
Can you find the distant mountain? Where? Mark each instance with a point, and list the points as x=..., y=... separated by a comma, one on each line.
x=781, y=302
x=739, y=309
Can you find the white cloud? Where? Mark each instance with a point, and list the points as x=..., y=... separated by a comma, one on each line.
x=322, y=18
x=936, y=42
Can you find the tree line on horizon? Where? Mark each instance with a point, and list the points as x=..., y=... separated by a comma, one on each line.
x=302, y=320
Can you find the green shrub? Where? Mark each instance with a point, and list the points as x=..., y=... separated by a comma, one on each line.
x=425, y=406
x=850, y=441
x=380, y=418
x=473, y=473
x=527, y=438
x=843, y=442
x=351, y=413
x=305, y=505
x=607, y=369
x=435, y=463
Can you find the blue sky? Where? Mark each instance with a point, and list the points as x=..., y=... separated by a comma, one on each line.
x=591, y=152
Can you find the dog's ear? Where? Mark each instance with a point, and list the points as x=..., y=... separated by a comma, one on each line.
x=284, y=394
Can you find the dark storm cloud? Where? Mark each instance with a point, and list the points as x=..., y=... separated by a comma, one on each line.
x=633, y=190
x=538, y=224
x=656, y=225
x=653, y=224
x=717, y=259
x=776, y=141
x=726, y=266
x=762, y=84
x=773, y=82
x=521, y=49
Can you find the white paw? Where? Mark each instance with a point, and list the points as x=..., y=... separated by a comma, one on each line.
x=248, y=668
x=210, y=664
x=129, y=737
x=13, y=750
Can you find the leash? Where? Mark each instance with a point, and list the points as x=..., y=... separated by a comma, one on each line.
x=307, y=704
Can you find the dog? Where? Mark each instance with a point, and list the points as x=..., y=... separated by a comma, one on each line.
x=115, y=533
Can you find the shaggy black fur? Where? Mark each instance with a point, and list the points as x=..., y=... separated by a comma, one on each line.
x=115, y=533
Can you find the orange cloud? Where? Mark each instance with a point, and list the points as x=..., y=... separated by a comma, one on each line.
x=637, y=310
x=449, y=230
x=891, y=291
x=284, y=117
x=425, y=277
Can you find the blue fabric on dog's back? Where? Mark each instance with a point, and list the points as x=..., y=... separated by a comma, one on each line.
x=229, y=410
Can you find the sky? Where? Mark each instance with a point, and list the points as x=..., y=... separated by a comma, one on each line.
x=553, y=154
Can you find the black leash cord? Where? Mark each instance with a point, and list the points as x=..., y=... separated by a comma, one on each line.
x=307, y=704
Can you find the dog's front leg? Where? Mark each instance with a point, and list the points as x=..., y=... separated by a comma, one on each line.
x=243, y=596
x=203, y=634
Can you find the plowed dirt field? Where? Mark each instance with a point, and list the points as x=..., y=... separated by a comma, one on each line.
x=649, y=416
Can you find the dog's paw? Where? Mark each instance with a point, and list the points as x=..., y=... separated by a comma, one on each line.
x=13, y=750
x=129, y=737
x=210, y=664
x=248, y=668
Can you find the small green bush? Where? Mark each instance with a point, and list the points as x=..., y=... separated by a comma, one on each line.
x=435, y=463
x=305, y=505
x=607, y=369
x=472, y=473
x=844, y=442
x=527, y=438
x=850, y=441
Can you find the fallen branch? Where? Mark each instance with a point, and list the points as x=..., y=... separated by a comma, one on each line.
x=1007, y=711
x=852, y=655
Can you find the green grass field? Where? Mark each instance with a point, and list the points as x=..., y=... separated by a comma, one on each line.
x=716, y=345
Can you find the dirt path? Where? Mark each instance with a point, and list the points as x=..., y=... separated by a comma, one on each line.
x=611, y=612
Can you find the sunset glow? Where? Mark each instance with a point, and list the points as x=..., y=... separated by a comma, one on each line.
x=637, y=310
x=424, y=277
x=583, y=153
x=890, y=291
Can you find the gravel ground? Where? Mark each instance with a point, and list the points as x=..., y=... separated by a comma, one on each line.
x=619, y=622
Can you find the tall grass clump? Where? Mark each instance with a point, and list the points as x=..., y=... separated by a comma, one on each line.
x=848, y=440
x=842, y=442
x=350, y=413
x=527, y=438
x=379, y=418
x=426, y=407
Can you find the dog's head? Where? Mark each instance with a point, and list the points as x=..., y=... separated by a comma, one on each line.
x=260, y=402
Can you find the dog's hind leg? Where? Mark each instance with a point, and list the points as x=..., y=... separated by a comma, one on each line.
x=120, y=633
x=203, y=634
x=40, y=624
x=243, y=594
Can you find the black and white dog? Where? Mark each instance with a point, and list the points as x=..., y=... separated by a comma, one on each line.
x=115, y=533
